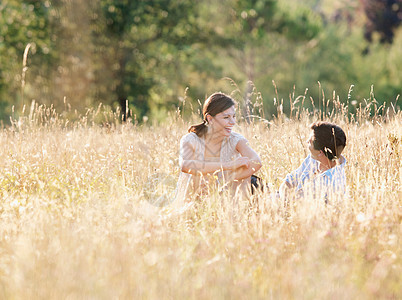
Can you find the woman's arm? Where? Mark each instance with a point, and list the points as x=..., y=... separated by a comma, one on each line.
x=197, y=166
x=191, y=166
x=254, y=160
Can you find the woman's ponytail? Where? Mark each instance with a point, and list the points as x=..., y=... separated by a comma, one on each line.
x=199, y=129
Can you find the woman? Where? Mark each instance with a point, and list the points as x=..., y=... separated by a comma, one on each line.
x=211, y=153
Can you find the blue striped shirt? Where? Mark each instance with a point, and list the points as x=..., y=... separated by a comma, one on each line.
x=308, y=179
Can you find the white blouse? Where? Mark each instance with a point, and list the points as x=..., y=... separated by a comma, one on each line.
x=192, y=147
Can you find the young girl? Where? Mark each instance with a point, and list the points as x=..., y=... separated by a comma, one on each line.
x=211, y=153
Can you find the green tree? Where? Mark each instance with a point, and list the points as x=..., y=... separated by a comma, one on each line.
x=89, y=52
x=259, y=37
x=135, y=40
x=22, y=23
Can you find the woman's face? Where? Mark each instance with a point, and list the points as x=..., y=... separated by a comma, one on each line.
x=223, y=122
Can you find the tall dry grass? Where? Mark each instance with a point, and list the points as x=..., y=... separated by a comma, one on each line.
x=76, y=220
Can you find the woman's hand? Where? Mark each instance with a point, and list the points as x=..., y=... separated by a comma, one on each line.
x=254, y=161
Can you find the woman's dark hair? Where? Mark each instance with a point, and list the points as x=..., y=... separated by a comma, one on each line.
x=215, y=104
x=329, y=138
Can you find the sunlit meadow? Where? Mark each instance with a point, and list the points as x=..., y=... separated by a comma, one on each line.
x=79, y=218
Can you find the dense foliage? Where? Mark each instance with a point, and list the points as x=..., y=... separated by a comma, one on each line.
x=147, y=53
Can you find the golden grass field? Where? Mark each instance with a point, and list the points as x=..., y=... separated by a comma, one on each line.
x=76, y=220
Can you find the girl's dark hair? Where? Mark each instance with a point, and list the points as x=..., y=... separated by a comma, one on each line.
x=215, y=104
x=329, y=138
